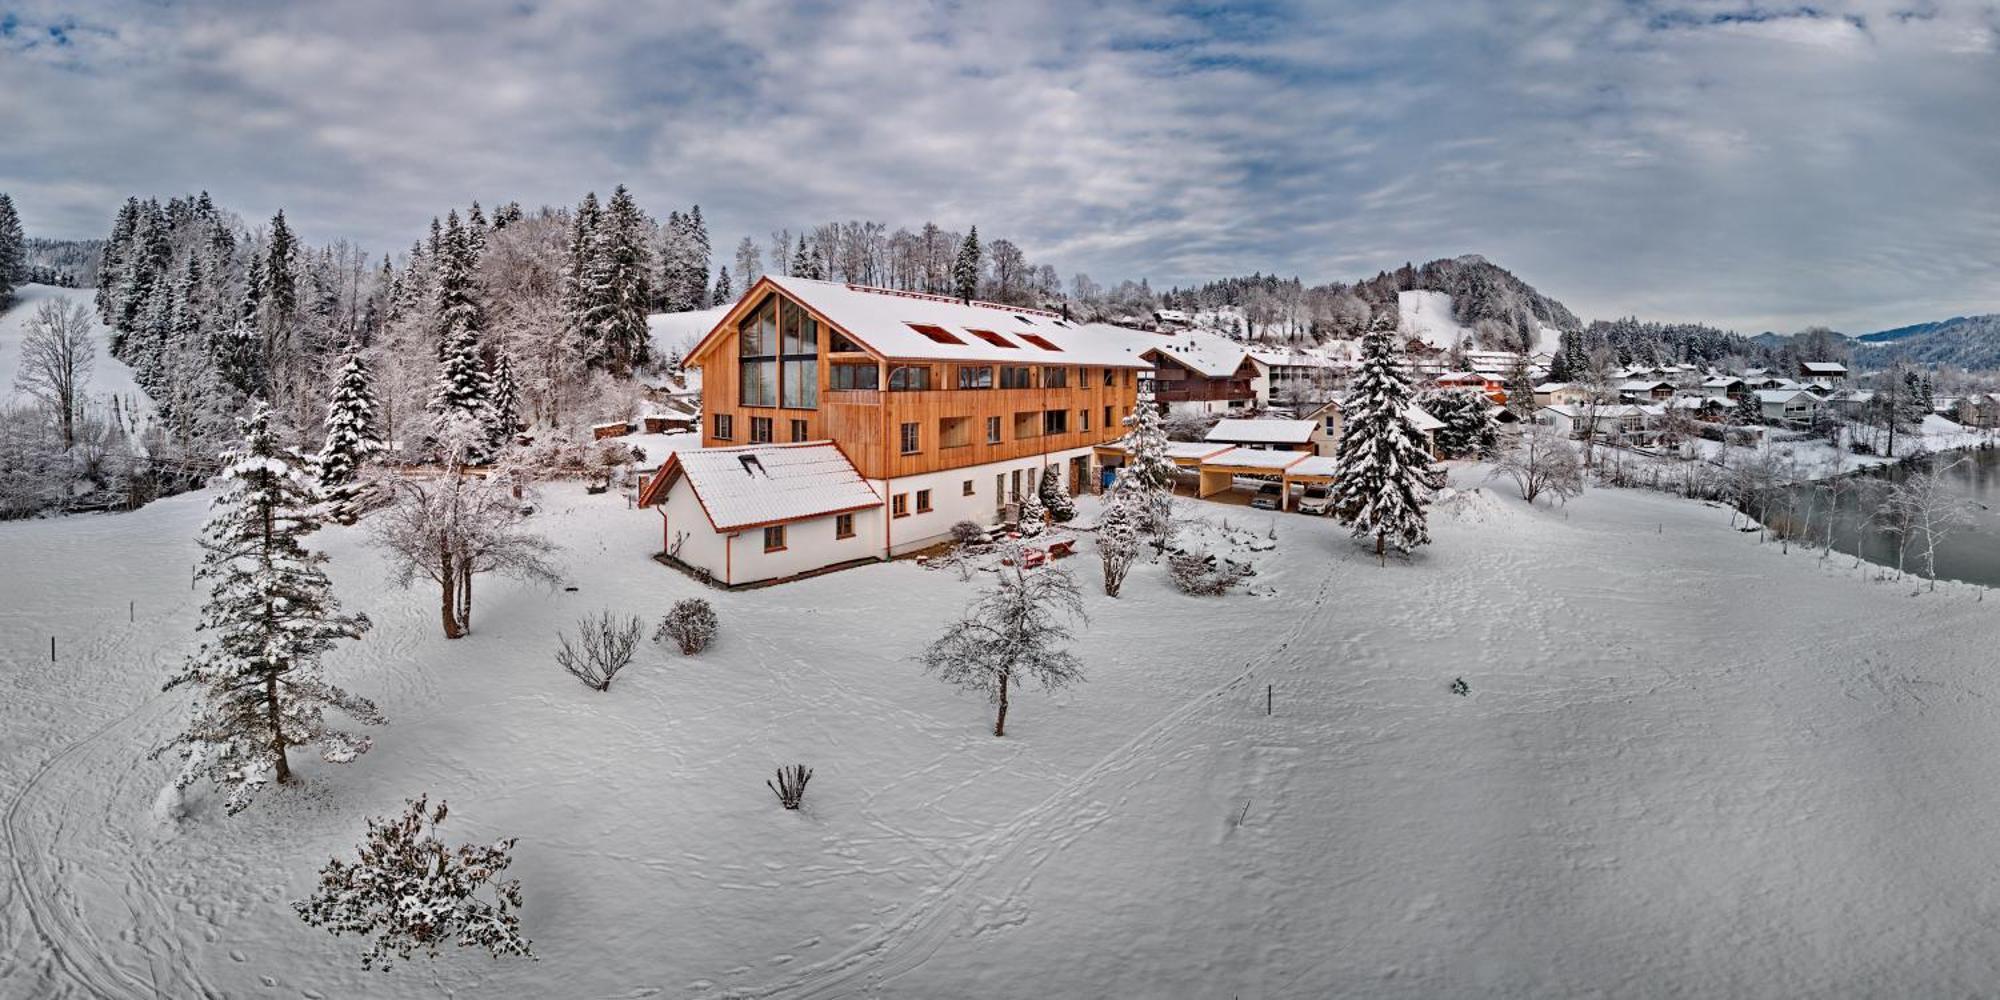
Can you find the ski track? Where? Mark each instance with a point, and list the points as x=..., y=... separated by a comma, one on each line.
x=1022, y=846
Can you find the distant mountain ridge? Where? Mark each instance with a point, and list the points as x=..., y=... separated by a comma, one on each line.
x=1971, y=342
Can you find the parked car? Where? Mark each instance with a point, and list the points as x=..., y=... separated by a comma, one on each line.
x=1318, y=500
x=1267, y=497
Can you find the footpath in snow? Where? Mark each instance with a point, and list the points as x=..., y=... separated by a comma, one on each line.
x=1687, y=764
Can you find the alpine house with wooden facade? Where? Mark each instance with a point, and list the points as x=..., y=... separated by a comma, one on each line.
x=845, y=424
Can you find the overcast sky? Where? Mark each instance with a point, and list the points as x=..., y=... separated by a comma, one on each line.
x=1754, y=167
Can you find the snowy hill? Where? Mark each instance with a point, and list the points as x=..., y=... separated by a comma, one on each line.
x=1429, y=317
x=1648, y=766
x=109, y=376
x=1971, y=342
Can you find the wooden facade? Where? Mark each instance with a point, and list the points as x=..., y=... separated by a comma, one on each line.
x=1175, y=382
x=1039, y=407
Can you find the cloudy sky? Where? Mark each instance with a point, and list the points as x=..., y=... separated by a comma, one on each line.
x=1756, y=167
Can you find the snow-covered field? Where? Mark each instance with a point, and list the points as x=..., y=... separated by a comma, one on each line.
x=109, y=376
x=1687, y=765
x=1428, y=316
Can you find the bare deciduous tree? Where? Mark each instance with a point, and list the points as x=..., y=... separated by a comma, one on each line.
x=1541, y=461
x=451, y=527
x=1013, y=631
x=56, y=360
x=1922, y=510
x=604, y=646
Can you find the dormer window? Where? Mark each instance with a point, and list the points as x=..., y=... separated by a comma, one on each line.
x=937, y=334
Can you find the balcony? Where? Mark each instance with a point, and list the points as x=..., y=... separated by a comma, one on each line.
x=1202, y=390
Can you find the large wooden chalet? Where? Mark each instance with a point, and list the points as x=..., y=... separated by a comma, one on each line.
x=844, y=424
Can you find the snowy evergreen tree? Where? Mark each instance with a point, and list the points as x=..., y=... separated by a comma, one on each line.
x=1748, y=412
x=965, y=270
x=700, y=253
x=1117, y=541
x=1034, y=517
x=462, y=399
x=579, y=289
x=1148, y=475
x=1520, y=388
x=13, y=251
x=506, y=401
x=749, y=266
x=270, y=616
x=1467, y=417
x=724, y=292
x=1382, y=474
x=620, y=287
x=802, y=263
x=1011, y=633
x=351, y=439
x=1055, y=499
x=409, y=892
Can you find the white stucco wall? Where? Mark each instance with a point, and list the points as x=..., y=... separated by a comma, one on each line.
x=949, y=505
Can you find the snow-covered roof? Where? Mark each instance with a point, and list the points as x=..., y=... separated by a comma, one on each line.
x=1551, y=386
x=887, y=322
x=1241, y=431
x=1204, y=353
x=1783, y=395
x=1252, y=458
x=1721, y=382
x=766, y=483
x=1823, y=367
x=1314, y=465
x=1642, y=385
x=1421, y=419
x=1292, y=359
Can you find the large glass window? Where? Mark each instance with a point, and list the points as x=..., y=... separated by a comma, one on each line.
x=854, y=377
x=1055, y=378
x=909, y=378
x=757, y=340
x=1013, y=377
x=975, y=376
x=799, y=347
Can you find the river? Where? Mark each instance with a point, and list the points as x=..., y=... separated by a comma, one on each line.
x=1971, y=552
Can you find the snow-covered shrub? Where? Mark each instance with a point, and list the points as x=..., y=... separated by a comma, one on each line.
x=968, y=533
x=410, y=892
x=791, y=785
x=1117, y=544
x=604, y=646
x=690, y=623
x=1055, y=499
x=1204, y=575
x=1034, y=517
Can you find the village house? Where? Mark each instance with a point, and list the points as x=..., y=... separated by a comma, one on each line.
x=1727, y=387
x=1979, y=409
x=1829, y=373
x=1330, y=418
x=1623, y=422
x=1560, y=394
x=1637, y=390
x=1201, y=373
x=1787, y=406
x=845, y=424
x=1297, y=377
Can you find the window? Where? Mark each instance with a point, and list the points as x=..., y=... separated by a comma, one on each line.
x=965, y=490
x=799, y=430
x=923, y=501
x=1055, y=422
x=975, y=376
x=774, y=538
x=799, y=344
x=760, y=429
x=725, y=426
x=910, y=378
x=757, y=350
x=1055, y=378
x=1015, y=490
x=1083, y=420
x=899, y=505
x=1039, y=341
x=1027, y=424
x=1024, y=319
x=954, y=432
x=1109, y=421
x=910, y=439
x=854, y=377
x=992, y=430
x=999, y=490
x=1021, y=377
x=1109, y=375
x=936, y=333
x=1082, y=377
x=843, y=526
x=993, y=338
x=838, y=343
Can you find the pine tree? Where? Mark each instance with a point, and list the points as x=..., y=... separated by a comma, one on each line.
x=579, y=279
x=461, y=401
x=270, y=616
x=1055, y=499
x=506, y=401
x=724, y=292
x=965, y=270
x=13, y=251
x=1382, y=474
x=621, y=289
x=1034, y=516
x=1520, y=388
x=801, y=262
x=1748, y=411
x=1148, y=475
x=278, y=301
x=351, y=439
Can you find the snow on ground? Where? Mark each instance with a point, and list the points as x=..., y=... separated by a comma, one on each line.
x=1819, y=460
x=109, y=376
x=1687, y=764
x=681, y=330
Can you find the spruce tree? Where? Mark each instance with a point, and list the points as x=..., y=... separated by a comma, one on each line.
x=1520, y=388
x=461, y=402
x=1383, y=475
x=621, y=287
x=351, y=439
x=13, y=251
x=1055, y=499
x=700, y=253
x=965, y=270
x=579, y=281
x=506, y=401
x=1147, y=480
x=1748, y=410
x=801, y=262
x=270, y=616
x=724, y=292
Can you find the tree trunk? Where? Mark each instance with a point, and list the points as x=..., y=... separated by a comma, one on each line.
x=277, y=728
x=448, y=583
x=465, y=595
x=1000, y=720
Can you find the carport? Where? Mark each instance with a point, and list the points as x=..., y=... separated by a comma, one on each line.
x=1219, y=472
